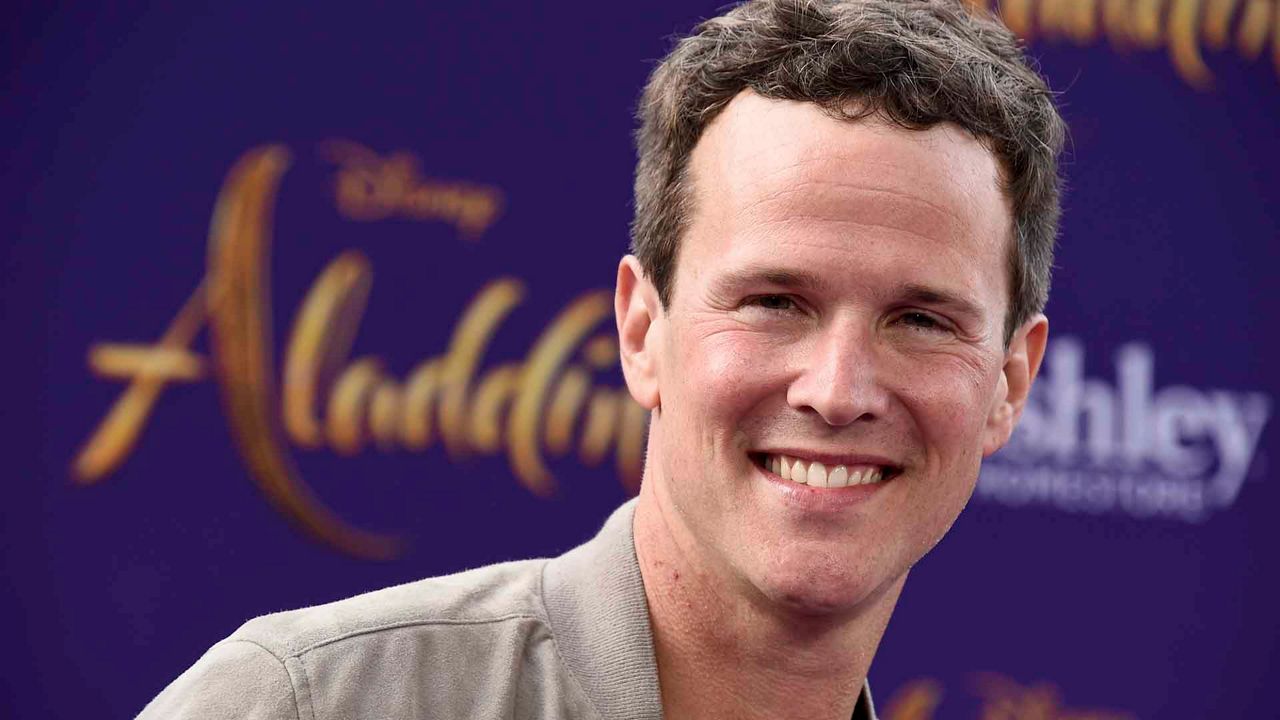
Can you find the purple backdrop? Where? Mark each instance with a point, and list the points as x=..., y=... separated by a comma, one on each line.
x=1112, y=561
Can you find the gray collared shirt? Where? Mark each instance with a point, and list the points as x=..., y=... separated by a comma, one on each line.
x=561, y=638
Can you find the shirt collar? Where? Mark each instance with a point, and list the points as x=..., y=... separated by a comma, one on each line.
x=599, y=617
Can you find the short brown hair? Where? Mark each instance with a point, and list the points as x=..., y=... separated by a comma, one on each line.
x=915, y=62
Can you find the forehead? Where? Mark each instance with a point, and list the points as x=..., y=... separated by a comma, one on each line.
x=778, y=171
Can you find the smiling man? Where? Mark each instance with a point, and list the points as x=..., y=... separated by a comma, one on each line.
x=825, y=375
x=845, y=221
x=845, y=217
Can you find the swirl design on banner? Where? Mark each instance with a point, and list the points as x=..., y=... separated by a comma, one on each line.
x=239, y=245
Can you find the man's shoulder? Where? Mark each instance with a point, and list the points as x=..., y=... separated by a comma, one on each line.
x=508, y=591
x=491, y=642
x=438, y=645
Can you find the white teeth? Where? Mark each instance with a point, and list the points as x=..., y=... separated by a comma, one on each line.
x=817, y=475
x=799, y=472
x=839, y=477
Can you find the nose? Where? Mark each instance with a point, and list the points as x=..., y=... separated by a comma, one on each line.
x=838, y=378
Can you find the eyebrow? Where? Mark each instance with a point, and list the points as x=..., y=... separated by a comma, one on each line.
x=923, y=295
x=802, y=279
x=782, y=277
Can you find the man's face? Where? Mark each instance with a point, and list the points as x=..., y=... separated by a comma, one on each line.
x=839, y=298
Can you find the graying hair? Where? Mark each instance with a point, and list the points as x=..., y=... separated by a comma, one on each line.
x=915, y=62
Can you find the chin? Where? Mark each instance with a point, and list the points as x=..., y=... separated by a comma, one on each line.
x=806, y=588
x=816, y=607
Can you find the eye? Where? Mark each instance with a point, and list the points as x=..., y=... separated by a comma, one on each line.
x=772, y=302
x=921, y=321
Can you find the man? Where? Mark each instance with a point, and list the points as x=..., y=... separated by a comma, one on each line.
x=845, y=214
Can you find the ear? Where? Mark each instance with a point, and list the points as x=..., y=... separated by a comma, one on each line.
x=638, y=310
x=1021, y=364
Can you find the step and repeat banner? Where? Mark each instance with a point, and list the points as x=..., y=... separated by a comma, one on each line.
x=301, y=302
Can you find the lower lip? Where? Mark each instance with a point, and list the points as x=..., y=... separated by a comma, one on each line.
x=815, y=499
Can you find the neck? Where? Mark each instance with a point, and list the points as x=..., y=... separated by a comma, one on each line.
x=723, y=653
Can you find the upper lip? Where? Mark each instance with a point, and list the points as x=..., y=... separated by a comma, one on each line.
x=831, y=459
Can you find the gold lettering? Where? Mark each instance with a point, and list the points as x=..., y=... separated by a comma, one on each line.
x=419, y=401
x=1115, y=17
x=631, y=437
x=917, y=700
x=522, y=407
x=118, y=432
x=566, y=405
x=361, y=188
x=1252, y=35
x=348, y=405
x=369, y=187
x=363, y=403
x=1074, y=18
x=1184, y=43
x=565, y=332
x=239, y=248
x=1052, y=17
x=613, y=416
x=470, y=339
x=602, y=352
x=358, y=195
x=1146, y=28
x=493, y=397
x=123, y=361
x=1084, y=20
x=602, y=419
x=321, y=340
x=1217, y=23
x=1182, y=25
x=1005, y=699
x=384, y=415
x=1017, y=14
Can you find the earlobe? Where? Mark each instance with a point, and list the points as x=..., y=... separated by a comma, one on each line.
x=1021, y=365
x=637, y=310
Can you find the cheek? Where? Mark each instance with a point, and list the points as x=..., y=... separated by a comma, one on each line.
x=951, y=403
x=718, y=389
x=949, y=413
x=952, y=413
x=723, y=373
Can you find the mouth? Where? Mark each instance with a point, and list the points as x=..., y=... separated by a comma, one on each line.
x=834, y=473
